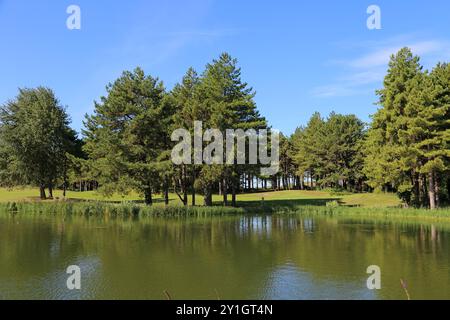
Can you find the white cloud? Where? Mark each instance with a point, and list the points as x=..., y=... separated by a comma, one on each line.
x=381, y=56
x=364, y=77
x=367, y=70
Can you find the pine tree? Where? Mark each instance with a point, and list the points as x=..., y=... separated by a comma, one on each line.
x=429, y=128
x=308, y=148
x=329, y=151
x=390, y=155
x=187, y=111
x=227, y=103
x=127, y=136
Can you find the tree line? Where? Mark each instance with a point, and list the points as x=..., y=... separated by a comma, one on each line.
x=126, y=143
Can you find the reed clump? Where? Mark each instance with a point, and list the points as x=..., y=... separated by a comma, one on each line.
x=100, y=209
x=113, y=210
x=378, y=213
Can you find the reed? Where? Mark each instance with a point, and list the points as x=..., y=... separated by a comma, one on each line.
x=441, y=215
x=112, y=210
x=67, y=208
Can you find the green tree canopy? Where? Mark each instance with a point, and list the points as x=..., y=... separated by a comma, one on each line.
x=34, y=139
x=128, y=134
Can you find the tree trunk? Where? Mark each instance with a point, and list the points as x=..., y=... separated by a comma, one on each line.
x=193, y=187
x=185, y=197
x=50, y=191
x=423, y=191
x=225, y=192
x=166, y=193
x=148, y=196
x=233, y=194
x=185, y=186
x=436, y=190
x=65, y=177
x=448, y=189
x=416, y=189
x=207, y=196
x=432, y=191
x=42, y=192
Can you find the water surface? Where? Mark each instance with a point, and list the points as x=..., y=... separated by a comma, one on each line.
x=251, y=257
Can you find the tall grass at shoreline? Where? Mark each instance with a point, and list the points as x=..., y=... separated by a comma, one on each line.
x=384, y=213
x=70, y=208
x=113, y=210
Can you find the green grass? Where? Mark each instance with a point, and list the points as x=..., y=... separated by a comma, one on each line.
x=292, y=200
x=32, y=194
x=286, y=200
x=371, y=200
x=325, y=203
x=277, y=199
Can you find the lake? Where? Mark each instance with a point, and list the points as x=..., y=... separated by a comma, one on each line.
x=231, y=257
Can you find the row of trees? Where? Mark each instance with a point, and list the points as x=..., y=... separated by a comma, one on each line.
x=329, y=152
x=128, y=138
x=408, y=144
x=405, y=149
x=127, y=143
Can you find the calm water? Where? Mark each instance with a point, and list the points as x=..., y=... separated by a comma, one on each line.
x=258, y=257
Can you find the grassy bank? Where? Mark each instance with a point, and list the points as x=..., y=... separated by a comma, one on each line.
x=103, y=209
x=324, y=203
x=276, y=199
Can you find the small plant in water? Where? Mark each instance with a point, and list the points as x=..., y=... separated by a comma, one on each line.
x=332, y=204
x=12, y=207
x=405, y=287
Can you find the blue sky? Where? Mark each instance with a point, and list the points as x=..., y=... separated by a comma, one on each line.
x=299, y=56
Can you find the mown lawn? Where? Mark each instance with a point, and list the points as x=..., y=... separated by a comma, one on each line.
x=278, y=198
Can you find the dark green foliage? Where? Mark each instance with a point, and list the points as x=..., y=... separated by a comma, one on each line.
x=127, y=135
x=407, y=148
x=35, y=139
x=329, y=151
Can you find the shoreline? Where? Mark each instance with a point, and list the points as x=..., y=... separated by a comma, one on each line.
x=104, y=209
